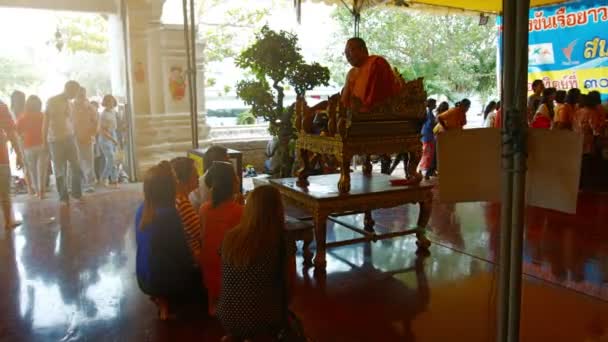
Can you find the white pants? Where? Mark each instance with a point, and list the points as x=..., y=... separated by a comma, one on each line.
x=36, y=164
x=86, y=155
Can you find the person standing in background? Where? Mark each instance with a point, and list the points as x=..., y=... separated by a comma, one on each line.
x=29, y=126
x=17, y=108
x=564, y=115
x=546, y=111
x=17, y=103
x=58, y=132
x=7, y=133
x=535, y=99
x=85, y=127
x=428, y=141
x=108, y=141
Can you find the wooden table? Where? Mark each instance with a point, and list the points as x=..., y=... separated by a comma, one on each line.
x=321, y=198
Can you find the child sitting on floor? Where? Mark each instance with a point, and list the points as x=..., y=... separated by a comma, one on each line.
x=164, y=264
x=218, y=215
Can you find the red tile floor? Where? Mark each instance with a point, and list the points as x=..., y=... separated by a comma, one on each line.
x=68, y=275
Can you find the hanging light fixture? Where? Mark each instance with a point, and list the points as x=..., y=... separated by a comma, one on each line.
x=483, y=19
x=58, y=40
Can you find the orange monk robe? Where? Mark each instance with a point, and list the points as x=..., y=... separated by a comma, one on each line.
x=372, y=83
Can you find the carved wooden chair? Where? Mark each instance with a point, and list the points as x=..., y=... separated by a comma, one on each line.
x=390, y=127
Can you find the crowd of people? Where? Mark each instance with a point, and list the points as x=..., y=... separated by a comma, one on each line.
x=198, y=243
x=547, y=108
x=64, y=138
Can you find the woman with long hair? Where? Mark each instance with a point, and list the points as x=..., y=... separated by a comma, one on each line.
x=546, y=110
x=29, y=126
x=218, y=215
x=257, y=269
x=164, y=265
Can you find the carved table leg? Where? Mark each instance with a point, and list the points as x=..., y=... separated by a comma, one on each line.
x=422, y=241
x=305, y=170
x=344, y=183
x=367, y=165
x=320, y=220
x=368, y=221
x=414, y=159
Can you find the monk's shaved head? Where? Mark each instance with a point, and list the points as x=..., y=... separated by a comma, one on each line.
x=356, y=51
x=358, y=41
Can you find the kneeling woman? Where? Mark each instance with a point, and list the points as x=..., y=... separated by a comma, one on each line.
x=257, y=270
x=165, y=266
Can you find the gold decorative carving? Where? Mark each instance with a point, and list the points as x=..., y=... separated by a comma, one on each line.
x=390, y=127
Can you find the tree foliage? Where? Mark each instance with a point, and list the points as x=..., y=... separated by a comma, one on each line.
x=16, y=75
x=219, y=36
x=454, y=54
x=92, y=71
x=88, y=33
x=275, y=61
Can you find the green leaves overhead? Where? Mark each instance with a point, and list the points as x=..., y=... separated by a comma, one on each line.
x=455, y=55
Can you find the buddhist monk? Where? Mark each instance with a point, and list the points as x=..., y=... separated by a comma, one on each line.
x=371, y=78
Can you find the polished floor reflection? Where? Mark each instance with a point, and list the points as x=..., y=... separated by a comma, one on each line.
x=68, y=275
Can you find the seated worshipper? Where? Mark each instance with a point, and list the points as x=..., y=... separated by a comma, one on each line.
x=564, y=115
x=454, y=118
x=428, y=141
x=258, y=269
x=164, y=265
x=544, y=114
x=213, y=154
x=218, y=215
x=187, y=181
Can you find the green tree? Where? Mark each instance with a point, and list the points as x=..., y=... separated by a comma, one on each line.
x=16, y=75
x=275, y=61
x=88, y=33
x=92, y=71
x=245, y=118
x=219, y=33
x=455, y=55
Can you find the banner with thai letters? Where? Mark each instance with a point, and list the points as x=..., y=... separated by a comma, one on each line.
x=568, y=46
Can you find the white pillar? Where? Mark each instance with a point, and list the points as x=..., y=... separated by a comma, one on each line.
x=117, y=56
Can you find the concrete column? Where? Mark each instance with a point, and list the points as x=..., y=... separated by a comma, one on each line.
x=137, y=16
x=117, y=56
x=154, y=67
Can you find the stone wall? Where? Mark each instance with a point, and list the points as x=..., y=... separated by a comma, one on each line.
x=251, y=140
x=165, y=136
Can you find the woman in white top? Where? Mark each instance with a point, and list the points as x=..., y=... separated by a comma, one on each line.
x=489, y=114
x=108, y=123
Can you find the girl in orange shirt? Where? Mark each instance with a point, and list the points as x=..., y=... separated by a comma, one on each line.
x=218, y=215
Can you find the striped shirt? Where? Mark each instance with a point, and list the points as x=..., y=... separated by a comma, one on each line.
x=191, y=223
x=7, y=126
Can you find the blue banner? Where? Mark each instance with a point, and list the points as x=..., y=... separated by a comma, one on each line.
x=568, y=46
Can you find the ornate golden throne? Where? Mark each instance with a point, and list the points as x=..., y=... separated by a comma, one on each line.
x=389, y=127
